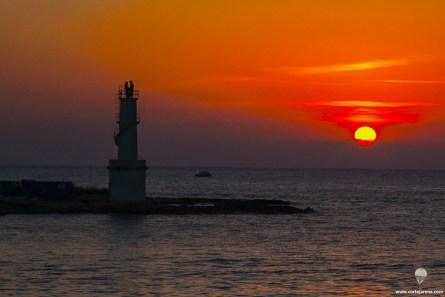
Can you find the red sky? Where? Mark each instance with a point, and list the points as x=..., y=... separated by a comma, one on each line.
x=231, y=83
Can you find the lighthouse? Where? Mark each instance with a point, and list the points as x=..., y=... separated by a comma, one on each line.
x=127, y=172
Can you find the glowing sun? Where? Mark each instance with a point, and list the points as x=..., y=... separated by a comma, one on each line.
x=365, y=135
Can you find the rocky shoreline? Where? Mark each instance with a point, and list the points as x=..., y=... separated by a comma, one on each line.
x=97, y=202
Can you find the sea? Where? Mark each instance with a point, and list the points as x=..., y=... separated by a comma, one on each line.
x=372, y=229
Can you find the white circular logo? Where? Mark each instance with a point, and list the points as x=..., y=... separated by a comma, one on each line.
x=420, y=275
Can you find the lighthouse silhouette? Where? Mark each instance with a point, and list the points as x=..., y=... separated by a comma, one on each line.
x=127, y=172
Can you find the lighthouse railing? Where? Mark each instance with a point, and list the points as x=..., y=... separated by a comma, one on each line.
x=122, y=94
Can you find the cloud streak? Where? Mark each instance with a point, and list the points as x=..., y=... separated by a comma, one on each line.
x=314, y=70
x=352, y=114
x=351, y=67
x=360, y=103
x=403, y=81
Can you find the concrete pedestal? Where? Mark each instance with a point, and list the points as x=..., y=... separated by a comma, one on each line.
x=127, y=180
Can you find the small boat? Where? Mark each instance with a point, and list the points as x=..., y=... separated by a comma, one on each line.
x=203, y=173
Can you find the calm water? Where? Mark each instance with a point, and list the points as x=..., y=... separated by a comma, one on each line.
x=372, y=230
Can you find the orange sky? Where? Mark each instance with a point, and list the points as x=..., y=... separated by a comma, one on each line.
x=271, y=57
x=265, y=60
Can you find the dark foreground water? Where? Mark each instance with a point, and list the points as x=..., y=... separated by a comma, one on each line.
x=372, y=230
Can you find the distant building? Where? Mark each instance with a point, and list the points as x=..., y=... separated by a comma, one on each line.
x=127, y=173
x=51, y=190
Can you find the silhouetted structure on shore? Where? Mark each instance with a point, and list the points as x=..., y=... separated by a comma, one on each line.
x=52, y=190
x=127, y=172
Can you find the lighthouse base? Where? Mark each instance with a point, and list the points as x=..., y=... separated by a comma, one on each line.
x=127, y=180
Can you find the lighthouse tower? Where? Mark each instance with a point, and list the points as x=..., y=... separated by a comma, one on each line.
x=127, y=173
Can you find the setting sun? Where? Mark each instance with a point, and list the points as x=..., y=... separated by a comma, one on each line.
x=365, y=135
